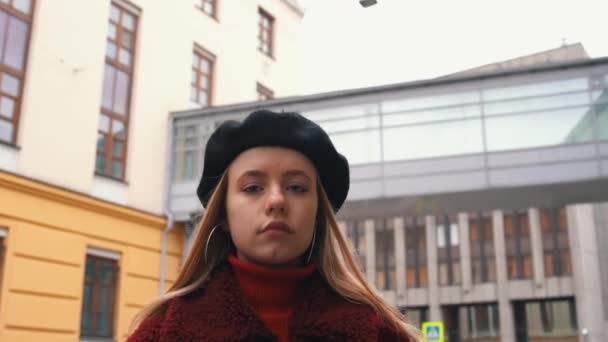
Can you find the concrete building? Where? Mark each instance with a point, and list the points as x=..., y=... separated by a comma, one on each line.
x=85, y=92
x=479, y=200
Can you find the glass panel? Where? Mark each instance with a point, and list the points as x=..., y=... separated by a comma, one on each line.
x=112, y=31
x=114, y=13
x=15, y=43
x=351, y=124
x=193, y=92
x=188, y=172
x=127, y=40
x=85, y=323
x=121, y=93
x=128, y=21
x=124, y=57
x=108, y=86
x=551, y=87
x=204, y=82
x=195, y=60
x=118, y=129
x=202, y=98
x=461, y=112
x=430, y=101
x=600, y=96
x=22, y=5
x=111, y=50
x=116, y=169
x=104, y=123
x=342, y=112
x=194, y=76
x=601, y=117
x=205, y=66
x=208, y=8
x=100, y=164
x=10, y=85
x=540, y=129
x=101, y=142
x=536, y=103
x=441, y=139
x=359, y=147
x=117, y=149
x=6, y=131
x=3, y=21
x=7, y=106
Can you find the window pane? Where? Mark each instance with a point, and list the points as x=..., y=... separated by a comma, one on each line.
x=536, y=103
x=430, y=101
x=121, y=93
x=204, y=82
x=6, y=131
x=124, y=57
x=114, y=13
x=117, y=149
x=108, y=86
x=111, y=50
x=104, y=123
x=22, y=5
x=359, y=147
x=3, y=22
x=534, y=89
x=127, y=40
x=118, y=129
x=193, y=92
x=202, y=98
x=101, y=142
x=350, y=124
x=188, y=172
x=100, y=164
x=112, y=31
x=116, y=169
x=85, y=323
x=7, y=106
x=342, y=112
x=127, y=21
x=601, y=115
x=540, y=129
x=195, y=61
x=10, y=85
x=205, y=65
x=441, y=139
x=15, y=43
x=462, y=112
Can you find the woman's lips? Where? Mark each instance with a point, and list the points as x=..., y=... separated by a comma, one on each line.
x=277, y=227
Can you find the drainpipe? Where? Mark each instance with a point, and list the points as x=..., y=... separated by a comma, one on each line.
x=166, y=208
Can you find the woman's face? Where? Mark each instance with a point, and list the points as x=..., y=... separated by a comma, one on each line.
x=271, y=205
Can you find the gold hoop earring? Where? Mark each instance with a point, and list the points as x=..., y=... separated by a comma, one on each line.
x=209, y=240
x=312, y=246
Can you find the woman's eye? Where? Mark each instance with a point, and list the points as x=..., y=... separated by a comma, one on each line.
x=252, y=188
x=297, y=188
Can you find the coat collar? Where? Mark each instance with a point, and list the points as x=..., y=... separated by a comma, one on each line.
x=219, y=312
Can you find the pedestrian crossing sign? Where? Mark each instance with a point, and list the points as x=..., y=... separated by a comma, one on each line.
x=432, y=332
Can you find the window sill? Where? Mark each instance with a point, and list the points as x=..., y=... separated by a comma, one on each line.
x=110, y=178
x=214, y=17
x=96, y=339
x=10, y=145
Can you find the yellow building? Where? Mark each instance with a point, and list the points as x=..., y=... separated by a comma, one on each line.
x=86, y=89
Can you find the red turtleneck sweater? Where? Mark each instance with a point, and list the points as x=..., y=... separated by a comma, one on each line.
x=271, y=292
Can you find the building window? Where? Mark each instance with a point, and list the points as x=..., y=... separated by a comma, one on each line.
x=112, y=135
x=416, y=315
x=2, y=251
x=209, y=7
x=556, y=248
x=98, y=299
x=547, y=320
x=477, y=322
x=448, y=251
x=266, y=33
x=415, y=251
x=355, y=232
x=385, y=254
x=482, y=248
x=15, y=29
x=264, y=93
x=519, y=248
x=202, y=77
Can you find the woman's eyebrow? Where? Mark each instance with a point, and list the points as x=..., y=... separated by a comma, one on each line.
x=296, y=172
x=252, y=173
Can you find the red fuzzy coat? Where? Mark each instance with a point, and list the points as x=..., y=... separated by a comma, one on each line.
x=219, y=313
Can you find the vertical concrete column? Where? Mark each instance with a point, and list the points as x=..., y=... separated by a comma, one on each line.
x=370, y=251
x=537, y=247
x=586, y=272
x=400, y=257
x=431, y=250
x=505, y=311
x=465, y=252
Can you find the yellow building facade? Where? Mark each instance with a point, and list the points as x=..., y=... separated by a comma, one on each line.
x=47, y=235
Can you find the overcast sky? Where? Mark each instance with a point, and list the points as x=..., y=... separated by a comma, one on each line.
x=348, y=46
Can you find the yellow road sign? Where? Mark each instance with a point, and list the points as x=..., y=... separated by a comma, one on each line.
x=432, y=332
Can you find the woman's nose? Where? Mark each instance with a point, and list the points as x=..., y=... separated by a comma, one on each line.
x=276, y=201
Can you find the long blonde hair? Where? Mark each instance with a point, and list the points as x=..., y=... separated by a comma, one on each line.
x=333, y=257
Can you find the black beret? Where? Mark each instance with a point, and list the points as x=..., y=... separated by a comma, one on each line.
x=266, y=128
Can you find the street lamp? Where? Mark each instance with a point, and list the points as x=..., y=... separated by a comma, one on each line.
x=368, y=3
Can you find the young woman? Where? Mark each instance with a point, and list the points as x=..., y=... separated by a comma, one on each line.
x=268, y=261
